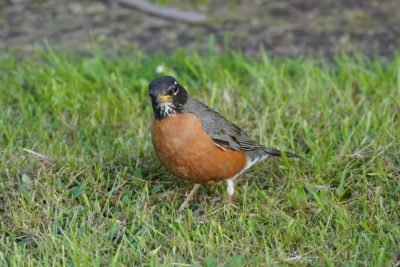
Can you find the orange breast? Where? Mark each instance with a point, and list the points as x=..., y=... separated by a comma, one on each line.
x=188, y=152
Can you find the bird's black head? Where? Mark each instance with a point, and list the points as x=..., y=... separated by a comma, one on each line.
x=167, y=96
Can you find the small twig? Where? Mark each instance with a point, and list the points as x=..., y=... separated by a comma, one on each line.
x=165, y=12
x=299, y=258
x=41, y=156
x=44, y=157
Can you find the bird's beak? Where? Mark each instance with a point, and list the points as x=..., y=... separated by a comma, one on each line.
x=163, y=98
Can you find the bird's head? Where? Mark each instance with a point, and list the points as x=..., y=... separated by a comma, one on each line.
x=167, y=96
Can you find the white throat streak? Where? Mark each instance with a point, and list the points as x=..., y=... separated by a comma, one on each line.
x=166, y=109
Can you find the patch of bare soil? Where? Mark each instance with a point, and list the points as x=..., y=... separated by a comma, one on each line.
x=282, y=27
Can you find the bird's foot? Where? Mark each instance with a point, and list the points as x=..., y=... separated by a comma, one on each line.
x=229, y=202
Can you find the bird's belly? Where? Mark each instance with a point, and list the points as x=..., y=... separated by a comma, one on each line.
x=188, y=152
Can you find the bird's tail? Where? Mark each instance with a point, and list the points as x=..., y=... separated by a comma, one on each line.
x=277, y=153
x=264, y=153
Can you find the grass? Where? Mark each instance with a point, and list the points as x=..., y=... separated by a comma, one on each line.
x=96, y=195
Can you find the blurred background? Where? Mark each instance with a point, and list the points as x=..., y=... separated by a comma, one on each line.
x=282, y=27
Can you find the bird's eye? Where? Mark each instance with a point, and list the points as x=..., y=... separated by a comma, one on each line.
x=174, y=90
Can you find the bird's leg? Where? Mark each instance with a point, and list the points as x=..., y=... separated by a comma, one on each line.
x=189, y=197
x=230, y=188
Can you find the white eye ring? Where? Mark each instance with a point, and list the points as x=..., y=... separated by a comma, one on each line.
x=174, y=90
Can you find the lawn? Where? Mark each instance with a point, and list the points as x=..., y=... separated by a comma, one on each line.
x=80, y=183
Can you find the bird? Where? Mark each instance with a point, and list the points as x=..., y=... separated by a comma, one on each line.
x=196, y=143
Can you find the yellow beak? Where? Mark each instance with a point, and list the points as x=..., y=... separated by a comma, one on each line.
x=164, y=98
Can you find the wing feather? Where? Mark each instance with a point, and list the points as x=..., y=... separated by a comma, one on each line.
x=223, y=132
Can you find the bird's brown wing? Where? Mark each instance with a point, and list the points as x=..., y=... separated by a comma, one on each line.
x=224, y=133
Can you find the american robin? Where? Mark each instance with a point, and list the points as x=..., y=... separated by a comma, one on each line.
x=196, y=143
